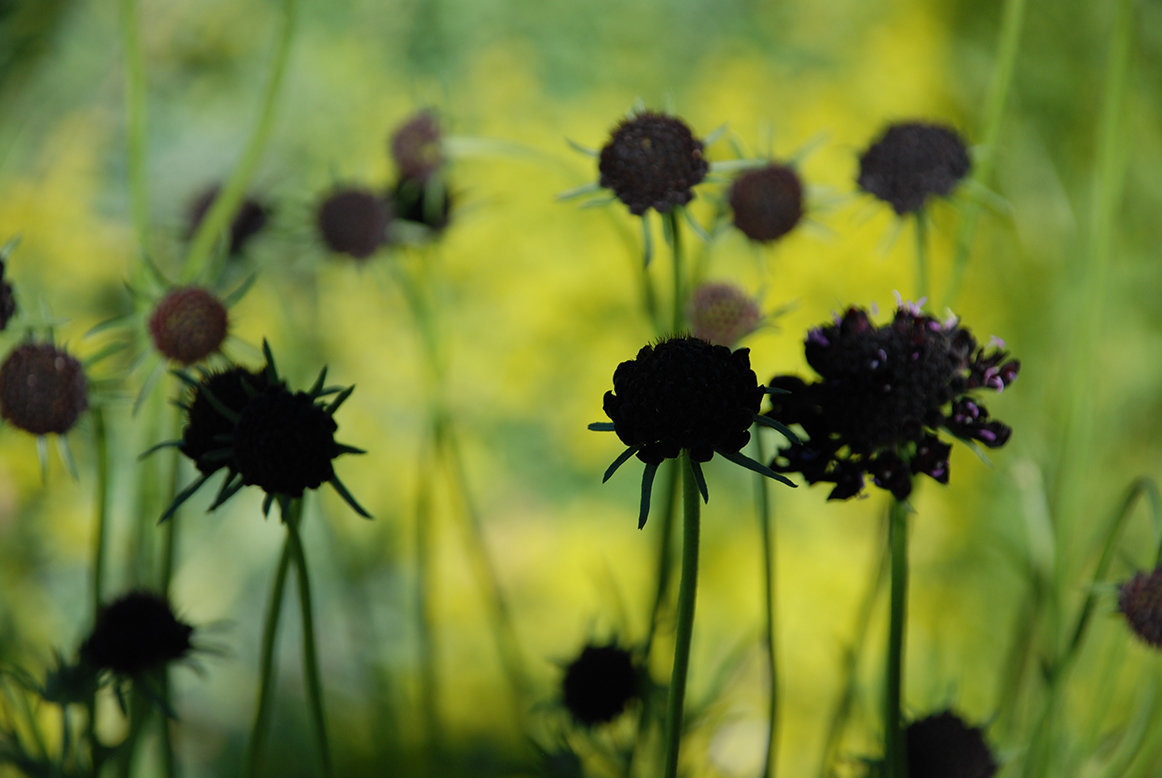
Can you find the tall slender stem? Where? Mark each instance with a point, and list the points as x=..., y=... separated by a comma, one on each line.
x=894, y=753
x=687, y=590
x=674, y=231
x=921, y=218
x=266, y=671
x=768, y=550
x=136, y=120
x=100, y=542
x=425, y=584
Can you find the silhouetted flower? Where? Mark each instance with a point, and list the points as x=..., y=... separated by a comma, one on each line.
x=248, y=222
x=136, y=633
x=353, y=222
x=767, y=202
x=943, y=746
x=911, y=162
x=1140, y=601
x=600, y=683
x=652, y=161
x=7, y=298
x=684, y=394
x=42, y=389
x=884, y=393
x=722, y=314
x=188, y=325
x=208, y=424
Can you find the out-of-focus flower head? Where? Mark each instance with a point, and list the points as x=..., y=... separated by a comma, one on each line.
x=353, y=221
x=767, y=202
x=134, y=634
x=911, y=162
x=652, y=160
x=43, y=389
x=943, y=746
x=249, y=221
x=188, y=324
x=722, y=314
x=1140, y=601
x=600, y=683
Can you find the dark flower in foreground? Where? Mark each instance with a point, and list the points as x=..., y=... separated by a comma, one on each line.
x=1140, y=601
x=884, y=393
x=248, y=222
x=684, y=394
x=188, y=325
x=7, y=299
x=943, y=746
x=136, y=633
x=600, y=683
x=263, y=434
x=353, y=222
x=911, y=162
x=416, y=147
x=42, y=389
x=652, y=161
x=722, y=314
x=767, y=202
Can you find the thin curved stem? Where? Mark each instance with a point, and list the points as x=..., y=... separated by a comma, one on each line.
x=894, y=754
x=266, y=672
x=768, y=550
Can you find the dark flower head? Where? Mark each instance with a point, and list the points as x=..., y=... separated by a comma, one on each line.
x=943, y=746
x=1140, y=601
x=42, y=389
x=7, y=298
x=767, y=202
x=911, y=162
x=136, y=633
x=188, y=325
x=248, y=222
x=884, y=393
x=416, y=147
x=600, y=683
x=354, y=222
x=652, y=161
x=722, y=314
x=212, y=412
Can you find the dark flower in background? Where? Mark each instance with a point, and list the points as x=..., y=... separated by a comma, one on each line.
x=416, y=147
x=911, y=162
x=767, y=202
x=1140, y=601
x=652, y=161
x=188, y=325
x=7, y=298
x=722, y=314
x=353, y=222
x=136, y=633
x=600, y=683
x=943, y=746
x=884, y=393
x=42, y=389
x=248, y=222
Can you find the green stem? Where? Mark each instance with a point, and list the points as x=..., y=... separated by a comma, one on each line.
x=100, y=543
x=230, y=197
x=921, y=217
x=266, y=672
x=310, y=654
x=674, y=232
x=687, y=589
x=768, y=550
x=168, y=557
x=136, y=120
x=894, y=753
x=994, y=111
x=425, y=584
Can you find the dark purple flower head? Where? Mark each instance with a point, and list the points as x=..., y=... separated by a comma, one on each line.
x=883, y=394
x=7, y=298
x=1140, y=601
x=353, y=222
x=767, y=202
x=943, y=746
x=248, y=222
x=652, y=161
x=416, y=147
x=911, y=162
x=188, y=325
x=134, y=634
x=600, y=683
x=42, y=389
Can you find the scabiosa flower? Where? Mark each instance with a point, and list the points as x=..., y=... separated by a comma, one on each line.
x=263, y=434
x=722, y=314
x=767, y=202
x=684, y=394
x=884, y=393
x=416, y=147
x=188, y=324
x=911, y=162
x=249, y=221
x=943, y=746
x=134, y=634
x=7, y=299
x=353, y=222
x=600, y=683
x=42, y=389
x=1140, y=601
x=652, y=161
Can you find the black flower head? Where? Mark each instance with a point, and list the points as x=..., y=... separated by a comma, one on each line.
x=188, y=325
x=652, y=161
x=7, y=298
x=943, y=746
x=884, y=393
x=42, y=389
x=248, y=222
x=911, y=162
x=767, y=202
x=600, y=683
x=1140, y=601
x=416, y=147
x=263, y=434
x=353, y=222
x=683, y=394
x=425, y=201
x=134, y=634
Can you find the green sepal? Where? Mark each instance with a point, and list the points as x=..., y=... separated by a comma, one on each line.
x=739, y=458
x=181, y=497
x=647, y=488
x=602, y=426
x=342, y=491
x=621, y=460
x=778, y=426
x=700, y=479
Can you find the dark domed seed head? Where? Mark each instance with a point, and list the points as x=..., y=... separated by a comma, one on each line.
x=136, y=633
x=354, y=222
x=767, y=202
x=284, y=442
x=188, y=325
x=600, y=683
x=652, y=161
x=42, y=389
x=943, y=746
x=911, y=162
x=1140, y=601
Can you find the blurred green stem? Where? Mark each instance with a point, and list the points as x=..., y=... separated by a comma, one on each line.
x=894, y=753
x=233, y=191
x=100, y=542
x=921, y=219
x=768, y=550
x=130, y=18
x=994, y=111
x=429, y=692
x=168, y=556
x=674, y=233
x=266, y=672
x=687, y=590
